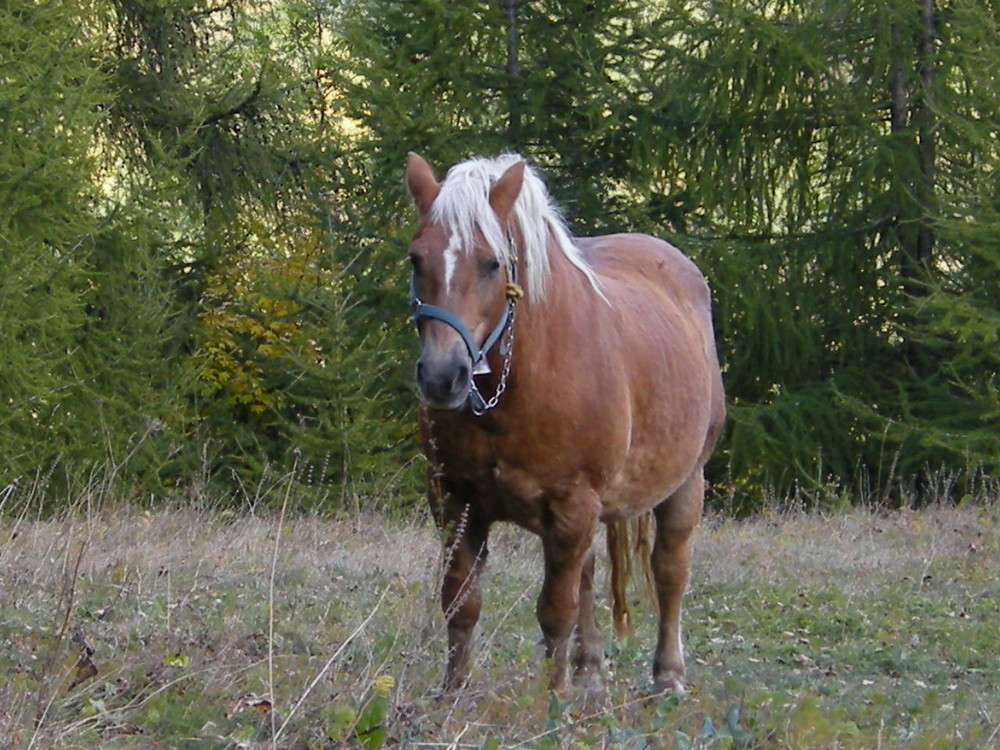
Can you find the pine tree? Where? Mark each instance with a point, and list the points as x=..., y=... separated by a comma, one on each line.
x=957, y=316
x=47, y=121
x=204, y=221
x=281, y=325
x=826, y=139
x=824, y=161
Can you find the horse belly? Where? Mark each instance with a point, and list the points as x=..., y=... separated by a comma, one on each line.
x=646, y=482
x=670, y=423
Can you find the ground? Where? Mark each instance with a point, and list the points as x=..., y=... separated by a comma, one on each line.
x=208, y=629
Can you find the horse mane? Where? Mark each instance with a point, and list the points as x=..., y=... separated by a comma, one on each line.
x=463, y=206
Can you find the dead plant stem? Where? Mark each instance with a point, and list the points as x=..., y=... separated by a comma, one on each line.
x=329, y=662
x=67, y=596
x=270, y=603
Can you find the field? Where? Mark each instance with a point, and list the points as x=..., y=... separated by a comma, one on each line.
x=205, y=629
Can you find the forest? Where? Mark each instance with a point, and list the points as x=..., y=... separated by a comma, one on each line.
x=204, y=228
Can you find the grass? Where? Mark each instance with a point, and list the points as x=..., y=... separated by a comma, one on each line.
x=185, y=628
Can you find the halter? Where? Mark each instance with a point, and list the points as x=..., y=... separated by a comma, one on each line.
x=478, y=353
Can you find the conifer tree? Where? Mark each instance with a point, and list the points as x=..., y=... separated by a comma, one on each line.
x=824, y=161
x=282, y=327
x=203, y=218
x=827, y=140
x=162, y=168
x=48, y=87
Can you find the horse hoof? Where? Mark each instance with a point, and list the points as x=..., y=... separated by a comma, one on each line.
x=590, y=684
x=669, y=685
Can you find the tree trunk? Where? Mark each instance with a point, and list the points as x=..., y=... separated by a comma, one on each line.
x=912, y=120
x=513, y=74
x=927, y=138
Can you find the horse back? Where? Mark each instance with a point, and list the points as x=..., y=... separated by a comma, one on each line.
x=658, y=316
x=640, y=270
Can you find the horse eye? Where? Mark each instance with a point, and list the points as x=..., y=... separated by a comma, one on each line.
x=491, y=267
x=416, y=262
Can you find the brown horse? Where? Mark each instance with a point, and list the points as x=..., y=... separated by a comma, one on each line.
x=593, y=394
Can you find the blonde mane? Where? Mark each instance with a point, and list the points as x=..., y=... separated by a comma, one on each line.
x=463, y=206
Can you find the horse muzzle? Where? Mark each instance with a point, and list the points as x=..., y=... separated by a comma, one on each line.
x=444, y=379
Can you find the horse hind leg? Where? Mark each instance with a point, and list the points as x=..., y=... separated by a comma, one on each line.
x=676, y=518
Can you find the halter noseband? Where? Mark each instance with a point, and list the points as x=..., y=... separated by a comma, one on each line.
x=478, y=353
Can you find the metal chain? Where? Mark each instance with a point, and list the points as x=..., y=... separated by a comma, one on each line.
x=504, y=371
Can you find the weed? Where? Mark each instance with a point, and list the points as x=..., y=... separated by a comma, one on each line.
x=186, y=628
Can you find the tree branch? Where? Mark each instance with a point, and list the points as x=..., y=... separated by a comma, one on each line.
x=240, y=108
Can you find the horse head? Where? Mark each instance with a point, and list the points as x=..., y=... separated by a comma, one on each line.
x=463, y=287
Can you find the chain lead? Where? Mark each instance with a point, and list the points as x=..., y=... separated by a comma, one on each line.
x=507, y=345
x=514, y=293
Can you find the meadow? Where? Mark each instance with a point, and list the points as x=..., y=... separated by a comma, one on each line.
x=206, y=628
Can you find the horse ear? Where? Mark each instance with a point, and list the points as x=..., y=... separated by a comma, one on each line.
x=505, y=190
x=421, y=183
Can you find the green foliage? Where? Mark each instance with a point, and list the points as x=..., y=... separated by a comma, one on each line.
x=295, y=371
x=181, y=288
x=290, y=365
x=83, y=313
x=44, y=223
x=370, y=727
x=730, y=734
x=204, y=223
x=786, y=146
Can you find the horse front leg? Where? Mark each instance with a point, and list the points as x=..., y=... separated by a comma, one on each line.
x=566, y=542
x=676, y=518
x=465, y=555
x=589, y=652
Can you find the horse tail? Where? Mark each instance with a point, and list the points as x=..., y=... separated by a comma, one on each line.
x=628, y=541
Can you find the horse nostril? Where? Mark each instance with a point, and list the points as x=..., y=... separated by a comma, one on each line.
x=459, y=380
x=443, y=381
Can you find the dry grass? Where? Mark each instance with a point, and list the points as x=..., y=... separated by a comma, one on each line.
x=195, y=647
x=856, y=548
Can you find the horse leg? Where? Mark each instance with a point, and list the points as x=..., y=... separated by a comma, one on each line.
x=465, y=556
x=589, y=645
x=676, y=518
x=566, y=543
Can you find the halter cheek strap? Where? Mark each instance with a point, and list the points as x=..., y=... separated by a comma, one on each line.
x=476, y=353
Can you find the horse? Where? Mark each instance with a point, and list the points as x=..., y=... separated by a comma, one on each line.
x=563, y=382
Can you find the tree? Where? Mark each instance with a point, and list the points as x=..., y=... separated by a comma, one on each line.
x=204, y=222
x=828, y=138
x=181, y=305
x=819, y=159
x=959, y=307
x=228, y=106
x=47, y=227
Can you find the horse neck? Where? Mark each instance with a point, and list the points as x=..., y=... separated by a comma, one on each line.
x=557, y=314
